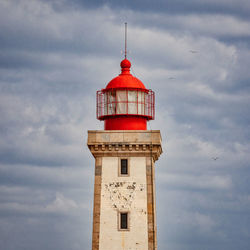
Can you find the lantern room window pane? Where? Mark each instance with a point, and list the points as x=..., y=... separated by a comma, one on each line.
x=132, y=108
x=146, y=108
x=140, y=109
x=132, y=102
x=141, y=96
x=132, y=96
x=110, y=101
x=111, y=108
x=121, y=96
x=121, y=108
x=141, y=103
x=105, y=104
x=105, y=109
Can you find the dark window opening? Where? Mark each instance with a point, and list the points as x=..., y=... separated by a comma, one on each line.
x=124, y=166
x=124, y=220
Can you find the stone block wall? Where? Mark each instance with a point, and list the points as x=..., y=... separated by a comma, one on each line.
x=134, y=194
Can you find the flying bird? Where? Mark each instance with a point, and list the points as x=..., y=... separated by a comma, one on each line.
x=215, y=158
x=171, y=78
x=193, y=51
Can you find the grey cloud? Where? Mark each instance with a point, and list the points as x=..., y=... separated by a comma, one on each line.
x=56, y=54
x=33, y=177
x=232, y=7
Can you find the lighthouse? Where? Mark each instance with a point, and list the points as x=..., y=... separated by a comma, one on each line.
x=124, y=212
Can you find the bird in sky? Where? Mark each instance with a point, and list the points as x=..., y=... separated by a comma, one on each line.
x=193, y=51
x=171, y=78
x=215, y=158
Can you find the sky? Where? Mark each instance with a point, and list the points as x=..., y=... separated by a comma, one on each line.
x=55, y=55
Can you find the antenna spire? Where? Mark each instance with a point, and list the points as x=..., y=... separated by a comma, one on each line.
x=125, y=40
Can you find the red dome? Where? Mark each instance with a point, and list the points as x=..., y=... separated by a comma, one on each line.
x=125, y=79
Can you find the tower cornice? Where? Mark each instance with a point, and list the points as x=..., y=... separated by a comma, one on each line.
x=123, y=143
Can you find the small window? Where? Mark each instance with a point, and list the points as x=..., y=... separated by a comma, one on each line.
x=124, y=166
x=124, y=221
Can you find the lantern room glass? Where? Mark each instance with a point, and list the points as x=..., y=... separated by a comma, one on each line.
x=125, y=102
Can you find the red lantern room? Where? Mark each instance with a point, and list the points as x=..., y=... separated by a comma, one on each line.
x=125, y=103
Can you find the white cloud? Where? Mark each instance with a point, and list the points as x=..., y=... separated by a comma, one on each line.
x=61, y=204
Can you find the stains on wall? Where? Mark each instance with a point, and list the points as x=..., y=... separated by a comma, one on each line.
x=122, y=194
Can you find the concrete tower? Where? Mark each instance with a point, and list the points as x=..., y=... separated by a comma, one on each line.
x=125, y=152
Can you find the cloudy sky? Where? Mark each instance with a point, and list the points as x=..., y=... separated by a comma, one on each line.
x=55, y=54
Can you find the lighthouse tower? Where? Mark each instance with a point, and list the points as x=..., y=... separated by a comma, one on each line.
x=125, y=152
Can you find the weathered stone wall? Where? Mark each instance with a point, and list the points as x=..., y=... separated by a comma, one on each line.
x=151, y=211
x=97, y=203
x=123, y=194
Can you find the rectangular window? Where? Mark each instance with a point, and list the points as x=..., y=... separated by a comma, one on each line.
x=121, y=96
x=132, y=102
x=123, y=221
x=124, y=166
